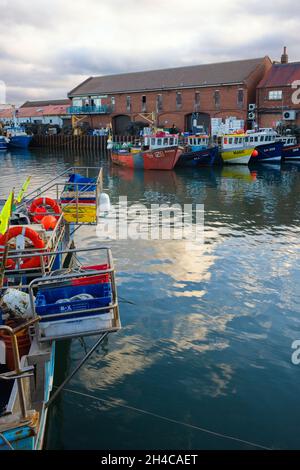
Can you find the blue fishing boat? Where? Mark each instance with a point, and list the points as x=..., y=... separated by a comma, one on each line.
x=204, y=157
x=198, y=153
x=267, y=149
x=291, y=148
x=271, y=153
x=61, y=296
x=18, y=138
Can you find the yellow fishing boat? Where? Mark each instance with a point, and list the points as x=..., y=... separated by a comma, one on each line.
x=234, y=150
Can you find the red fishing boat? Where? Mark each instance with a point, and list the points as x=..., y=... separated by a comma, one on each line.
x=158, y=151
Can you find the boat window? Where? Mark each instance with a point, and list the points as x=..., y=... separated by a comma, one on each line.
x=240, y=140
x=159, y=141
x=251, y=139
x=230, y=140
x=236, y=140
x=171, y=141
x=225, y=140
x=255, y=139
x=152, y=141
x=262, y=138
x=166, y=141
x=246, y=139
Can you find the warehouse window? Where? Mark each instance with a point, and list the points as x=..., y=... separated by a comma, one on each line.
x=240, y=97
x=159, y=103
x=197, y=100
x=128, y=103
x=178, y=100
x=275, y=95
x=217, y=98
x=113, y=103
x=144, y=103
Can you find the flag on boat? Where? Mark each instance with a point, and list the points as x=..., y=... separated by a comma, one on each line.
x=6, y=213
x=23, y=190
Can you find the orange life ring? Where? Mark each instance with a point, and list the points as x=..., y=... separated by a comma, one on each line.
x=37, y=204
x=33, y=236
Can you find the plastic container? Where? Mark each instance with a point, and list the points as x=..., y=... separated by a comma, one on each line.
x=46, y=300
x=93, y=279
x=81, y=180
x=23, y=345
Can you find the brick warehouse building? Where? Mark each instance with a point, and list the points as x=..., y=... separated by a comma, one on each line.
x=274, y=99
x=210, y=90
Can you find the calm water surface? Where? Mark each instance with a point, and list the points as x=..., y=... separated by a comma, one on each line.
x=207, y=329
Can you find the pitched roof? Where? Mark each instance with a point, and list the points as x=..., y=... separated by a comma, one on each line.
x=281, y=75
x=196, y=75
x=31, y=104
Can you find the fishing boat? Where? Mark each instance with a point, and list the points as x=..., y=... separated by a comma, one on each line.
x=3, y=143
x=234, y=150
x=50, y=292
x=291, y=148
x=198, y=152
x=267, y=149
x=18, y=138
x=158, y=151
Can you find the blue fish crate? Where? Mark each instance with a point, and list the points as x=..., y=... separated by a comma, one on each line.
x=45, y=303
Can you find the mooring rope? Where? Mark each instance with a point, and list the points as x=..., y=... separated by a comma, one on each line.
x=114, y=402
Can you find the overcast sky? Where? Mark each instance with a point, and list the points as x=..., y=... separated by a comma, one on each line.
x=49, y=46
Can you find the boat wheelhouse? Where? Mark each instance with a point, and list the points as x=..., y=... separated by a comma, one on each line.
x=160, y=140
x=197, y=142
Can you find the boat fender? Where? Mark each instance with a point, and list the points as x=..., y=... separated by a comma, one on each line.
x=104, y=203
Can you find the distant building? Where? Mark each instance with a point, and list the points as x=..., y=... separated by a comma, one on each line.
x=44, y=112
x=175, y=95
x=278, y=94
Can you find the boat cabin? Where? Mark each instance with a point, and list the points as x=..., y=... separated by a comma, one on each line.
x=198, y=142
x=231, y=141
x=160, y=141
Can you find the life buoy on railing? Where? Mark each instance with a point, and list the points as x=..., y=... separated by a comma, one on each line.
x=38, y=206
x=27, y=232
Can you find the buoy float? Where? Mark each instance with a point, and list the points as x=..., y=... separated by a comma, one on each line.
x=38, y=204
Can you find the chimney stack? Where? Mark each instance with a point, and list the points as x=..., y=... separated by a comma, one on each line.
x=284, y=57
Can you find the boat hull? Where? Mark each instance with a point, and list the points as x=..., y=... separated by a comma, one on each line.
x=239, y=156
x=204, y=157
x=164, y=159
x=291, y=152
x=20, y=141
x=271, y=152
x=3, y=144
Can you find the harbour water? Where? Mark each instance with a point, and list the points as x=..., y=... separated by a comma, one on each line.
x=207, y=329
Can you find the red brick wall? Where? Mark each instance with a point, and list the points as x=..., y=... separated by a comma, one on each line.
x=228, y=104
x=271, y=110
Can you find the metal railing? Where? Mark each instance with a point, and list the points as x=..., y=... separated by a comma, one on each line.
x=104, y=109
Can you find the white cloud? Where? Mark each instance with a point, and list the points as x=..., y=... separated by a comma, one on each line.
x=48, y=47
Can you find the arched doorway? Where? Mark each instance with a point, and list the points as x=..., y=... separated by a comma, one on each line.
x=120, y=124
x=202, y=119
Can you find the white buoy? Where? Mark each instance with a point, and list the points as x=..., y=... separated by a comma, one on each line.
x=104, y=203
